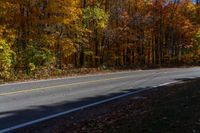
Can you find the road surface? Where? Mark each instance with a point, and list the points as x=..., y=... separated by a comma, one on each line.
x=27, y=103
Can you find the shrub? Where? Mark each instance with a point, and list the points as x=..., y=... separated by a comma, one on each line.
x=5, y=59
x=37, y=57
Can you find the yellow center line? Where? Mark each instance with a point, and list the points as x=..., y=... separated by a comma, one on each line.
x=63, y=85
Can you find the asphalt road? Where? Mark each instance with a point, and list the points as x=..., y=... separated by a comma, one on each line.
x=22, y=103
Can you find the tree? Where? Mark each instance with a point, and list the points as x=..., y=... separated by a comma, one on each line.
x=54, y=34
x=96, y=19
x=6, y=54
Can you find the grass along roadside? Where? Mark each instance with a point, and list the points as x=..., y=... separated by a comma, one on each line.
x=45, y=74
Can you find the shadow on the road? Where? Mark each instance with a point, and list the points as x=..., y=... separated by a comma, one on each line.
x=15, y=117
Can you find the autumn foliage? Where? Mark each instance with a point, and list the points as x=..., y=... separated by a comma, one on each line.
x=97, y=33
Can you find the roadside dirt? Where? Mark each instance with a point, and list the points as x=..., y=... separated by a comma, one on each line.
x=171, y=109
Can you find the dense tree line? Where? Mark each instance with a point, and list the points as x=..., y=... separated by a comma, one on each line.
x=97, y=33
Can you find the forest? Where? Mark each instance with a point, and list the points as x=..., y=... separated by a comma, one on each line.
x=41, y=36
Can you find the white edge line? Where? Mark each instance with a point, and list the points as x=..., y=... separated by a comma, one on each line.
x=165, y=84
x=79, y=108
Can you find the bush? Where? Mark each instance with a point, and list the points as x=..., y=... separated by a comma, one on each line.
x=37, y=57
x=5, y=59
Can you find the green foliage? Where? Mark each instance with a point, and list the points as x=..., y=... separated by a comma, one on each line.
x=192, y=55
x=197, y=37
x=31, y=67
x=97, y=15
x=196, y=45
x=196, y=48
x=37, y=57
x=5, y=59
